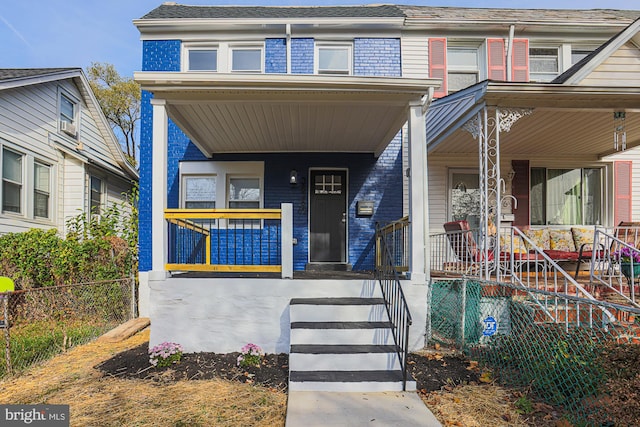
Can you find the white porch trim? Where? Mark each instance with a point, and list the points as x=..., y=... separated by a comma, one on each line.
x=159, y=189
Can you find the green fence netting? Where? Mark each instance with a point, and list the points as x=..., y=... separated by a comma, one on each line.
x=566, y=350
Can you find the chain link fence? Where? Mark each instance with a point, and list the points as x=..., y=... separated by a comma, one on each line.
x=39, y=323
x=578, y=354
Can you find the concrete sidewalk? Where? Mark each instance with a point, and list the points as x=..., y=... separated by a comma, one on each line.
x=315, y=409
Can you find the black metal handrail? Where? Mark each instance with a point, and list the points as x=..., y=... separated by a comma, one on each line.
x=395, y=302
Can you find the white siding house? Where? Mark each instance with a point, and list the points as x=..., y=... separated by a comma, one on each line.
x=54, y=140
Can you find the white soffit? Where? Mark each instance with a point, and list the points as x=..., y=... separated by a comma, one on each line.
x=226, y=113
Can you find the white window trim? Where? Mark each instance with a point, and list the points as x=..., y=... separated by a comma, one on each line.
x=559, y=58
x=76, y=113
x=224, y=55
x=244, y=46
x=50, y=192
x=103, y=193
x=480, y=70
x=186, y=48
x=316, y=57
x=23, y=184
x=28, y=185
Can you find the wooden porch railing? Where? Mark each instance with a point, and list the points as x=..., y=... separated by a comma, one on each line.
x=396, y=237
x=224, y=240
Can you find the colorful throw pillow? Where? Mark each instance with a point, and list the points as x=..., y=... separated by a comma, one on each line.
x=562, y=240
x=583, y=236
x=539, y=237
x=516, y=246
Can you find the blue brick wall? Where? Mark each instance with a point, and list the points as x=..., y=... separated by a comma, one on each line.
x=376, y=57
x=374, y=179
x=275, y=56
x=161, y=55
x=301, y=56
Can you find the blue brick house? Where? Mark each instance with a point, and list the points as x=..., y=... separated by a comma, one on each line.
x=271, y=148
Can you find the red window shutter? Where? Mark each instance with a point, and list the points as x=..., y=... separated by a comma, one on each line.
x=622, y=185
x=438, y=64
x=520, y=60
x=520, y=190
x=497, y=68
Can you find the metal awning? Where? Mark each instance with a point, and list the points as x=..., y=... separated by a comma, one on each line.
x=574, y=121
x=232, y=113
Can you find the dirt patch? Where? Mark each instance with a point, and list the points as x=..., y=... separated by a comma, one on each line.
x=431, y=371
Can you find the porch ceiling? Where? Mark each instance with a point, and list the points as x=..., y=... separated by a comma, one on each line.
x=566, y=121
x=225, y=113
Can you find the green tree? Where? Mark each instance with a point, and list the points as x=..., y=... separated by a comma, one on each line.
x=119, y=98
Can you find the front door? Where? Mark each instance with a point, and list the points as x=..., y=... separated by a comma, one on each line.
x=328, y=216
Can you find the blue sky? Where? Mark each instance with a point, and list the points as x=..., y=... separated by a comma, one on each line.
x=75, y=33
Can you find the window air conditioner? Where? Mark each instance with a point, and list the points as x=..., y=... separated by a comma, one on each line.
x=68, y=128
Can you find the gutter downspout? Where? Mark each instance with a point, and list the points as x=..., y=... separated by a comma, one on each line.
x=288, y=32
x=512, y=29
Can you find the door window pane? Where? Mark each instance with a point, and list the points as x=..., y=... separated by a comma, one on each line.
x=247, y=60
x=11, y=181
x=203, y=60
x=200, y=192
x=41, y=190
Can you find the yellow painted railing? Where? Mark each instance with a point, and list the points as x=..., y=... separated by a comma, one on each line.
x=224, y=240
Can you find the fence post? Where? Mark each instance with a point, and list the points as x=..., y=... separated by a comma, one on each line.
x=7, y=338
x=463, y=309
x=134, y=305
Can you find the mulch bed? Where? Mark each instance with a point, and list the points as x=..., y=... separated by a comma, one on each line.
x=432, y=371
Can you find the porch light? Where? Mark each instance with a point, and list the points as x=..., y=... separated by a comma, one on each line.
x=510, y=175
x=293, y=177
x=619, y=132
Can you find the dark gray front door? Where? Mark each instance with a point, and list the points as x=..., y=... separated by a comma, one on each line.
x=328, y=216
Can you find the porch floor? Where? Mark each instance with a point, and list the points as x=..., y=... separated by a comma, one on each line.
x=297, y=275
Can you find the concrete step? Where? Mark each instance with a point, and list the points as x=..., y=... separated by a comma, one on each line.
x=348, y=381
x=337, y=310
x=341, y=333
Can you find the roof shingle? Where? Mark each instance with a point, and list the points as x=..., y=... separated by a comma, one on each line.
x=19, y=73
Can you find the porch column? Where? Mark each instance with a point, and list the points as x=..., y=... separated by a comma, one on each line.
x=159, y=189
x=418, y=200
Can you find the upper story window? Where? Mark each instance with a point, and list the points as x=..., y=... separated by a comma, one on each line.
x=578, y=54
x=246, y=60
x=202, y=59
x=223, y=57
x=463, y=69
x=41, y=190
x=12, y=164
x=543, y=64
x=68, y=115
x=334, y=58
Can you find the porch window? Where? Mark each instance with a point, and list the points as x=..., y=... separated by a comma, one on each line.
x=566, y=196
x=244, y=193
x=463, y=68
x=543, y=64
x=465, y=197
x=41, y=190
x=199, y=192
x=333, y=58
x=11, y=181
x=205, y=59
x=246, y=60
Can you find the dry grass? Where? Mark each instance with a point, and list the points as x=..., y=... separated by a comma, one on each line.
x=97, y=401
x=474, y=406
